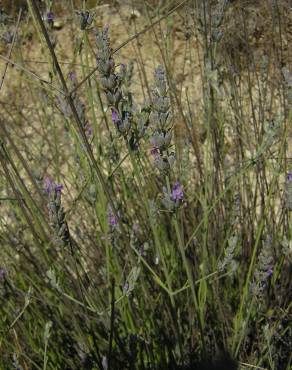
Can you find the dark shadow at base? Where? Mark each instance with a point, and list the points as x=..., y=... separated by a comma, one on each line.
x=223, y=361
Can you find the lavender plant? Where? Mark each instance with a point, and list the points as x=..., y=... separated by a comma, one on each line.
x=56, y=213
x=288, y=191
x=129, y=122
x=111, y=83
x=64, y=106
x=85, y=19
x=264, y=270
x=174, y=199
x=161, y=124
x=167, y=263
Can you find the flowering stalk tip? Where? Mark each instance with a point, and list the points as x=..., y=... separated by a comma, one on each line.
x=177, y=193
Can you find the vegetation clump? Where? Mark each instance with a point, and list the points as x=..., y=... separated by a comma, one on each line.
x=146, y=185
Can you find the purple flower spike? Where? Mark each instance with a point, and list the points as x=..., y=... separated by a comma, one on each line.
x=154, y=152
x=48, y=185
x=58, y=188
x=50, y=17
x=289, y=176
x=115, y=116
x=177, y=192
x=89, y=130
x=73, y=77
x=112, y=220
x=270, y=272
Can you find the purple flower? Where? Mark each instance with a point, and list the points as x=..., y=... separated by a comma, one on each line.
x=270, y=271
x=115, y=116
x=50, y=17
x=73, y=77
x=58, y=188
x=89, y=130
x=154, y=152
x=112, y=219
x=289, y=177
x=48, y=185
x=177, y=192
